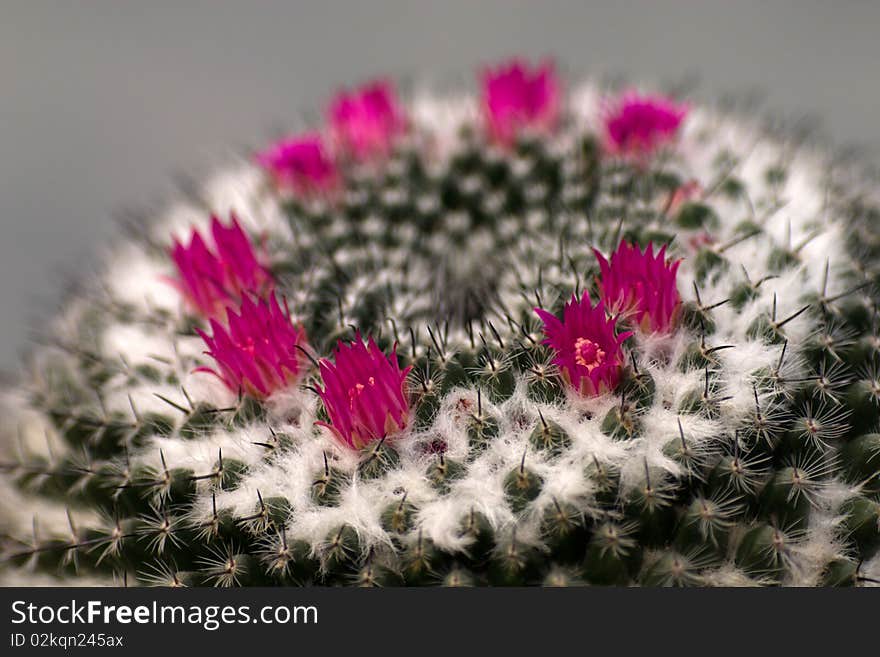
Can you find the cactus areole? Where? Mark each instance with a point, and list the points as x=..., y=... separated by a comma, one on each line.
x=540, y=332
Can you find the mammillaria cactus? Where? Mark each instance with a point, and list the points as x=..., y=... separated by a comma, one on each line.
x=534, y=334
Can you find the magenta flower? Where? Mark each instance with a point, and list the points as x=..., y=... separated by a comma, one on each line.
x=364, y=393
x=637, y=126
x=258, y=353
x=588, y=352
x=301, y=164
x=212, y=277
x=641, y=285
x=366, y=121
x=516, y=99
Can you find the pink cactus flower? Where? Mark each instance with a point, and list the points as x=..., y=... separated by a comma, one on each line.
x=258, y=353
x=641, y=286
x=364, y=393
x=301, y=164
x=588, y=352
x=637, y=126
x=365, y=122
x=210, y=277
x=516, y=100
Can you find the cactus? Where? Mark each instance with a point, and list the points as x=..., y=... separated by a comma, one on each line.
x=526, y=336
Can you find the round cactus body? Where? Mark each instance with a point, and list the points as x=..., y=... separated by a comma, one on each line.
x=535, y=335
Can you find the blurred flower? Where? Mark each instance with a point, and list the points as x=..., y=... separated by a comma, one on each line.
x=258, y=353
x=516, y=99
x=700, y=240
x=212, y=278
x=688, y=191
x=301, y=164
x=364, y=393
x=366, y=121
x=637, y=126
x=588, y=352
x=641, y=285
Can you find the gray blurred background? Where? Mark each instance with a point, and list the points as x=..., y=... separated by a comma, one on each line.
x=101, y=103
